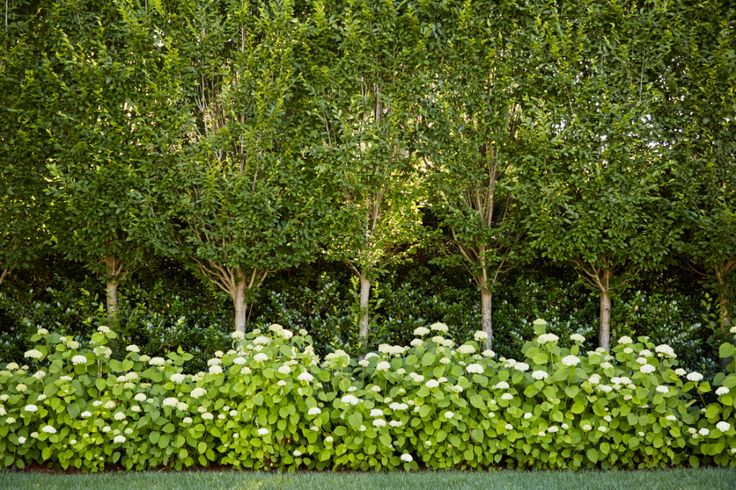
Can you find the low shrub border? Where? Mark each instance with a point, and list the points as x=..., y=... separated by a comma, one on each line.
x=271, y=403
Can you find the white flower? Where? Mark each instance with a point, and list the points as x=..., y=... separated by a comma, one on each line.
x=406, y=457
x=605, y=388
x=314, y=411
x=602, y=429
x=286, y=334
x=546, y=338
x=198, y=393
x=421, y=331
x=284, y=369
x=586, y=427
x=521, y=366
x=527, y=415
x=417, y=378
x=86, y=414
x=398, y=407
x=262, y=431
x=416, y=342
x=641, y=360
x=625, y=340
x=34, y=354
x=449, y=415
x=170, y=402
x=282, y=383
x=118, y=439
x=645, y=353
x=157, y=361
x=680, y=372
x=396, y=423
x=79, y=359
x=607, y=418
x=539, y=375
x=694, y=376
x=10, y=420
x=260, y=357
x=42, y=331
x=509, y=427
x=570, y=360
x=383, y=366
x=237, y=335
x=466, y=349
x=474, y=369
x=501, y=385
x=662, y=389
x=594, y=379
x=182, y=406
x=207, y=416
x=722, y=390
x=376, y=389
x=119, y=416
x=480, y=335
x=178, y=378
x=215, y=369
x=305, y=376
x=647, y=369
x=30, y=408
x=432, y=383
x=21, y=440
x=379, y=423
x=507, y=396
x=376, y=412
x=48, y=429
x=135, y=408
x=439, y=327
x=445, y=360
x=261, y=340
x=704, y=432
x=606, y=365
x=732, y=329
x=665, y=351
x=552, y=429
x=140, y=397
x=576, y=337
x=488, y=353
x=109, y=405
x=723, y=426
x=350, y=400
x=671, y=418
x=329, y=439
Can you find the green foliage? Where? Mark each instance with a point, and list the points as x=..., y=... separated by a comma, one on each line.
x=271, y=403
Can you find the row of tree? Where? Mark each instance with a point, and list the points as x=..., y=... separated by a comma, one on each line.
x=248, y=137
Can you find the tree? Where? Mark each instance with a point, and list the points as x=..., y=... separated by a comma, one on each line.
x=363, y=94
x=703, y=141
x=598, y=199
x=111, y=99
x=474, y=136
x=239, y=204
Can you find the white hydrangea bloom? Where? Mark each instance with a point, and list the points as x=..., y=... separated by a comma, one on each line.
x=421, y=331
x=207, y=416
x=625, y=340
x=407, y=458
x=86, y=414
x=547, y=338
x=417, y=378
x=383, y=366
x=488, y=353
x=480, y=336
x=398, y=407
x=215, y=369
x=501, y=385
x=119, y=416
x=723, y=426
x=260, y=357
x=79, y=359
x=21, y=440
x=507, y=396
x=671, y=418
x=170, y=402
x=665, y=350
x=182, y=406
x=262, y=431
x=237, y=335
x=606, y=365
x=474, y=369
x=722, y=390
x=602, y=428
x=109, y=405
x=680, y=372
x=376, y=412
x=539, y=375
x=527, y=415
x=439, y=327
x=704, y=432
x=284, y=369
x=306, y=377
x=694, y=376
x=570, y=360
x=647, y=369
x=605, y=388
x=314, y=411
x=445, y=361
x=350, y=400
x=662, y=389
x=432, y=383
x=586, y=427
x=641, y=360
x=521, y=366
x=552, y=429
x=594, y=379
x=34, y=354
x=576, y=337
x=379, y=423
x=157, y=361
x=448, y=414
x=29, y=408
x=48, y=429
x=178, y=378
x=733, y=329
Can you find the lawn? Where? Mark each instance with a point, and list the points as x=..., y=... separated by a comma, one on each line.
x=711, y=479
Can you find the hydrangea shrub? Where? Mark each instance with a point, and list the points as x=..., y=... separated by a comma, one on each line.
x=271, y=403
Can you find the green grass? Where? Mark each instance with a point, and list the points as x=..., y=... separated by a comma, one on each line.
x=710, y=479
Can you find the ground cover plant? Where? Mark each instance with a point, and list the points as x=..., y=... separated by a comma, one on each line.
x=271, y=403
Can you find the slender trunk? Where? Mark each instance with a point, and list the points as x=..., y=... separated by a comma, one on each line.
x=5, y=273
x=241, y=306
x=113, y=271
x=604, y=334
x=486, y=318
x=365, y=294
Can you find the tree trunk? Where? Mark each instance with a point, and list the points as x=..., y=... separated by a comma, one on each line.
x=113, y=271
x=486, y=317
x=365, y=294
x=5, y=273
x=724, y=305
x=604, y=334
x=238, y=295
